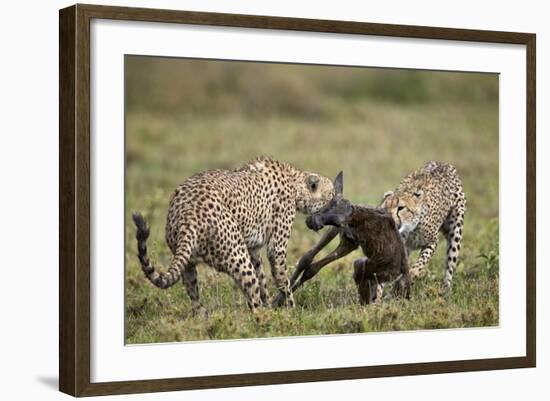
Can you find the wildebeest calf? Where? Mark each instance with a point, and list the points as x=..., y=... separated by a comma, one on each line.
x=372, y=229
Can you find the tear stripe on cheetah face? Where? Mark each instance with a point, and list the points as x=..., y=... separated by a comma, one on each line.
x=406, y=210
x=426, y=202
x=223, y=217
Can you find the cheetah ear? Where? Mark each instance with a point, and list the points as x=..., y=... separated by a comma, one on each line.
x=386, y=194
x=312, y=182
x=339, y=183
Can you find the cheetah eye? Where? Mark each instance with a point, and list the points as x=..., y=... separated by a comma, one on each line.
x=417, y=194
x=399, y=208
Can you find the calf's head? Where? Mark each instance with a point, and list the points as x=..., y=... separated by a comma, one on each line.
x=336, y=213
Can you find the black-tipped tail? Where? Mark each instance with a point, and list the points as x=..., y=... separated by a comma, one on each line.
x=161, y=280
x=142, y=235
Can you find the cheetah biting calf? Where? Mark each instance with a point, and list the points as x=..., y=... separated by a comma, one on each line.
x=224, y=217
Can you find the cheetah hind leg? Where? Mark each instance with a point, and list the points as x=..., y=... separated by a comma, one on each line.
x=235, y=260
x=238, y=265
x=192, y=287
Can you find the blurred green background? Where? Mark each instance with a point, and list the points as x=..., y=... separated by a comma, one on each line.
x=377, y=125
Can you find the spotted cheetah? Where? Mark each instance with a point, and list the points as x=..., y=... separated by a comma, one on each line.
x=426, y=202
x=224, y=217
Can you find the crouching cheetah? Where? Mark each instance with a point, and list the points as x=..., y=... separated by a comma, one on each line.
x=426, y=202
x=224, y=217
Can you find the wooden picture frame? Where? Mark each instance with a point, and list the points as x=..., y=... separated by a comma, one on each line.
x=75, y=207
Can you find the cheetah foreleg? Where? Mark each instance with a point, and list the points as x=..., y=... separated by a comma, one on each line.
x=454, y=236
x=256, y=259
x=424, y=258
x=276, y=254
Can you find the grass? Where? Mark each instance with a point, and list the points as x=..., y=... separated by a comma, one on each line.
x=375, y=125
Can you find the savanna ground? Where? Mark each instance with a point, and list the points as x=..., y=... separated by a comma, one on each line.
x=184, y=116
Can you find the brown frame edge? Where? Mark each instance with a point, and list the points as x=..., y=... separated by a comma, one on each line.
x=74, y=199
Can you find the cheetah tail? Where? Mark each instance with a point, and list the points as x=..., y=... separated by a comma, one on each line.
x=161, y=280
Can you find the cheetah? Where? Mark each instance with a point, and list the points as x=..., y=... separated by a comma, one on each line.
x=426, y=202
x=224, y=217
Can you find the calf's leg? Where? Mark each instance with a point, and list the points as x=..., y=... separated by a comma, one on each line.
x=344, y=247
